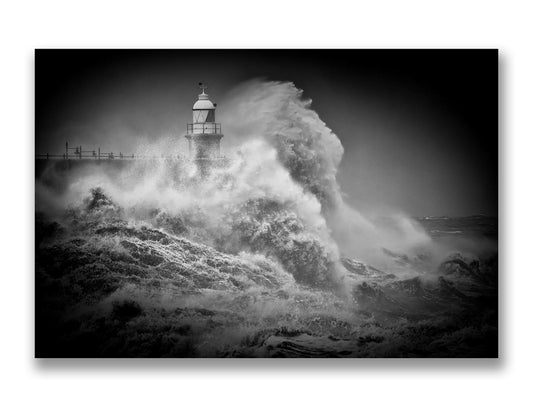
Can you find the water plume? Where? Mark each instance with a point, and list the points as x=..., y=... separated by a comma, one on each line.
x=277, y=113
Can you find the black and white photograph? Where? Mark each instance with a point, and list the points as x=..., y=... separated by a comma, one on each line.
x=266, y=203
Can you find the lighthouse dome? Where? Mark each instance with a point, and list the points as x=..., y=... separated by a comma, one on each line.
x=203, y=104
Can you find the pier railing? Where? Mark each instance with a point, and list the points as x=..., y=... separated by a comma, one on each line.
x=78, y=153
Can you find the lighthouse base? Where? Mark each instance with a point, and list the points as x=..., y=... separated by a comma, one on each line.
x=204, y=146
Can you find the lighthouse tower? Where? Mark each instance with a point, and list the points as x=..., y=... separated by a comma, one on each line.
x=204, y=134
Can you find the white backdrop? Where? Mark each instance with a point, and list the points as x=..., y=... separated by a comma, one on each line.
x=25, y=25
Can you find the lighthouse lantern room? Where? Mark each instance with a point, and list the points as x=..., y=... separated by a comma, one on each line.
x=204, y=134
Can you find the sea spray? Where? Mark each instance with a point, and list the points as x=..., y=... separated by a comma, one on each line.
x=277, y=113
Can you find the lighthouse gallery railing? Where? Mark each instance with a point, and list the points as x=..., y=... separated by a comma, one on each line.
x=204, y=128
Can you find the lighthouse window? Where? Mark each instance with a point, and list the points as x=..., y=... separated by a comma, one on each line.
x=200, y=116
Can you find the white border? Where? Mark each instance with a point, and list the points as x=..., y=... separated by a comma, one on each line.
x=27, y=25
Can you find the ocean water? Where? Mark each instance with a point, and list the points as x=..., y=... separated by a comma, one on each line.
x=476, y=226
x=260, y=258
x=106, y=287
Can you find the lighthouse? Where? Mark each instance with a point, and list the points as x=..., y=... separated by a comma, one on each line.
x=204, y=134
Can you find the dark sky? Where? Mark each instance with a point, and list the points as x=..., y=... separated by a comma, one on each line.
x=419, y=127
